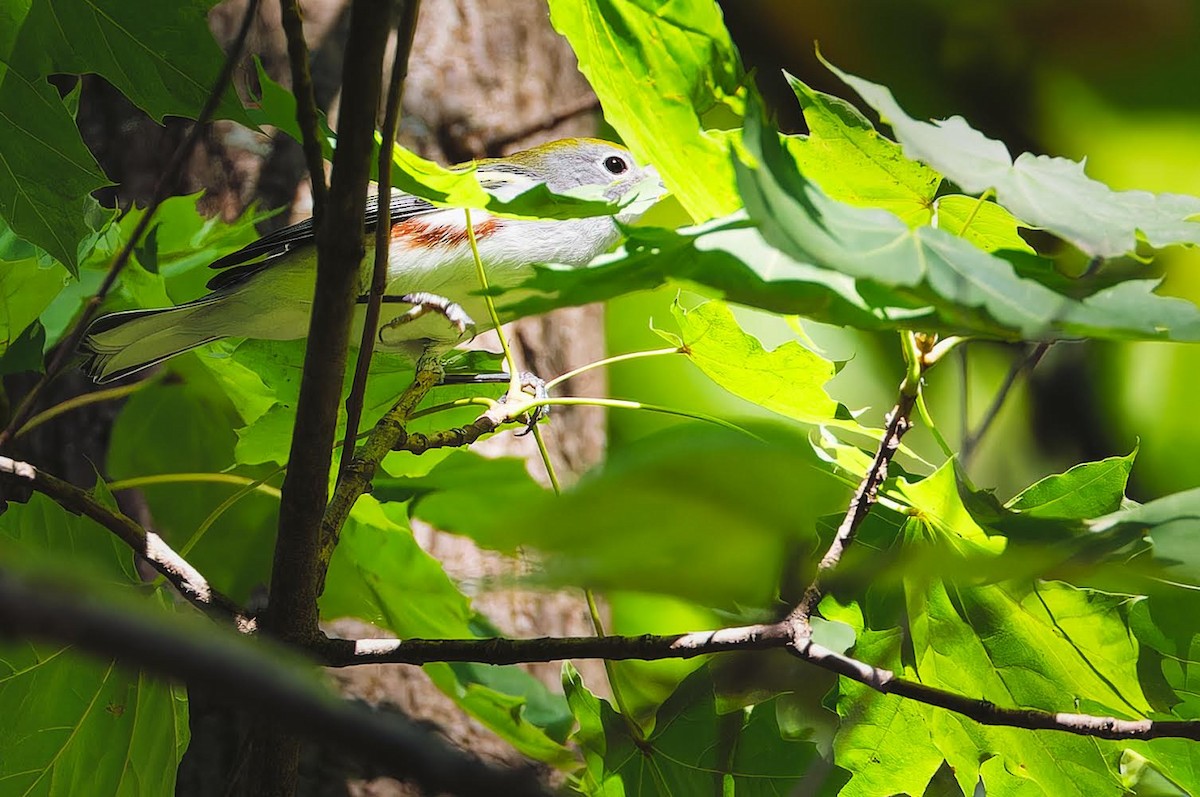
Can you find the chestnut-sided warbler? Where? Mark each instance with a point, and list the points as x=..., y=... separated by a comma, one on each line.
x=266, y=290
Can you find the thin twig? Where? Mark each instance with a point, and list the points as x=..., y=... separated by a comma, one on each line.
x=970, y=443
x=153, y=548
x=388, y=434
x=307, y=113
x=458, y=437
x=898, y=422
x=84, y=400
x=860, y=504
x=255, y=679
x=67, y=347
x=405, y=28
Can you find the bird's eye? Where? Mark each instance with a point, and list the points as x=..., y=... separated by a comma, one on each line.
x=615, y=165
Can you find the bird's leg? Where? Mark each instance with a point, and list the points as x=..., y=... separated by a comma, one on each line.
x=423, y=304
x=426, y=303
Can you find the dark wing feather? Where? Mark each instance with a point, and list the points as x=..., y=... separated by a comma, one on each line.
x=262, y=253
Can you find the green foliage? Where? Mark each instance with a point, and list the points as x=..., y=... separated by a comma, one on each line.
x=1067, y=597
x=1051, y=193
x=693, y=749
x=160, y=55
x=789, y=380
x=73, y=723
x=705, y=496
x=380, y=574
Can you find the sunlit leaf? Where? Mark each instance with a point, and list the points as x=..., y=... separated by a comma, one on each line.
x=852, y=163
x=789, y=380
x=925, y=265
x=659, y=68
x=985, y=224
x=1085, y=491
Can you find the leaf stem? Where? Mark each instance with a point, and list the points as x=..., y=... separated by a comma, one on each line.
x=633, y=355
x=194, y=478
x=78, y=402
x=68, y=345
x=514, y=379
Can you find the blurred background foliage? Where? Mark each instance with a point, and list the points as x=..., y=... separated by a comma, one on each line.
x=1114, y=81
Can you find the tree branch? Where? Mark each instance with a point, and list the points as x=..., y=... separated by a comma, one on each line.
x=296, y=573
x=860, y=504
x=1024, y=365
x=153, y=548
x=68, y=345
x=356, y=476
x=499, y=650
x=405, y=28
x=307, y=114
x=417, y=443
x=781, y=635
x=253, y=679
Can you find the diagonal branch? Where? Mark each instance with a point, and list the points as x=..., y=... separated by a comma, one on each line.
x=68, y=345
x=153, y=548
x=1021, y=367
x=255, y=679
x=387, y=434
x=307, y=114
x=864, y=497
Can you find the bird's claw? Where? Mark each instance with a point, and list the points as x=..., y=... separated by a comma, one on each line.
x=425, y=303
x=530, y=385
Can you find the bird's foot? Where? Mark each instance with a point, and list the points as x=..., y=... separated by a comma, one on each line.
x=520, y=403
x=424, y=304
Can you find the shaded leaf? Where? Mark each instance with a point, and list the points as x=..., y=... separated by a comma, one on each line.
x=1046, y=192
x=77, y=726
x=706, y=497
x=148, y=439
x=692, y=749
x=160, y=55
x=73, y=724
x=26, y=289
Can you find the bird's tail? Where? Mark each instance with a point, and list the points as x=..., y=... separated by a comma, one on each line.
x=120, y=344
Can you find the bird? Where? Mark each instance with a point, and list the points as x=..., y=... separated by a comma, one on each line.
x=265, y=290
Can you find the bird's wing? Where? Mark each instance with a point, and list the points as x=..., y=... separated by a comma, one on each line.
x=256, y=256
